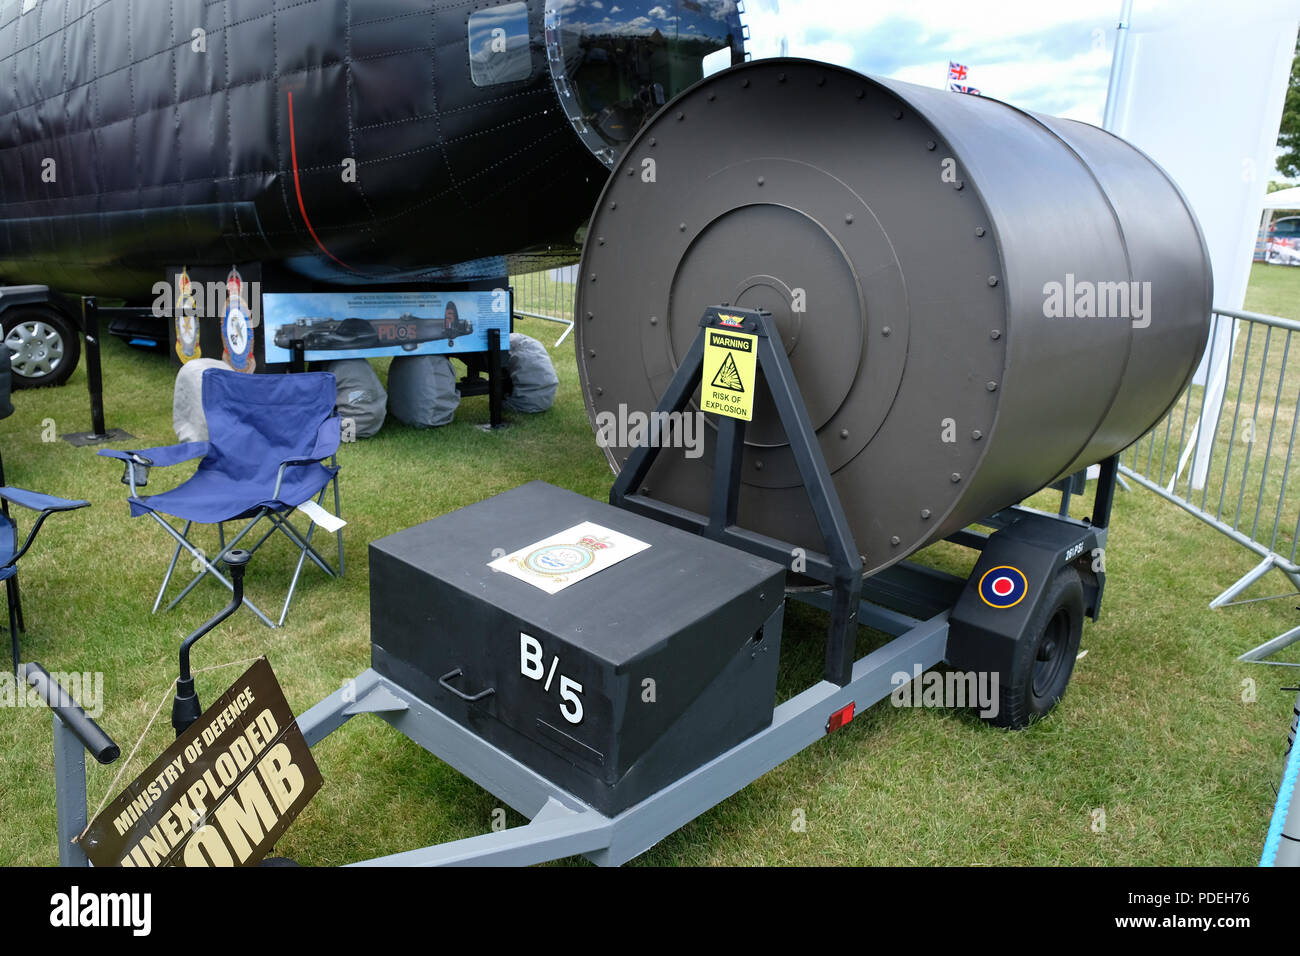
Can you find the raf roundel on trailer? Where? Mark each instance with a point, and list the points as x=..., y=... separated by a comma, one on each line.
x=1003, y=587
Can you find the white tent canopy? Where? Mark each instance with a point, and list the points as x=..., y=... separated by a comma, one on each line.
x=1283, y=199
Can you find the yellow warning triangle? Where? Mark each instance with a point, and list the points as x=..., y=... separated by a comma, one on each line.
x=728, y=376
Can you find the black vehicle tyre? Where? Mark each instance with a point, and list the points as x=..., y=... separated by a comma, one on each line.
x=44, y=346
x=1044, y=656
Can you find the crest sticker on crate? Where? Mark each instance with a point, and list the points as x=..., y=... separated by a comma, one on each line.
x=569, y=556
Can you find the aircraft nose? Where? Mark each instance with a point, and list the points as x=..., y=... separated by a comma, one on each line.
x=615, y=63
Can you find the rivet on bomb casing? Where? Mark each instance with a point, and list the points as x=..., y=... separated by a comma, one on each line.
x=712, y=97
x=930, y=144
x=744, y=84
x=959, y=185
x=925, y=512
x=654, y=320
x=844, y=433
x=591, y=353
x=898, y=114
x=780, y=77
x=601, y=391
x=977, y=434
x=600, y=241
x=993, y=280
x=821, y=81
x=848, y=218
x=895, y=540
x=681, y=227
x=991, y=386
x=860, y=93
x=885, y=331
x=681, y=116
x=759, y=180
x=593, y=277
x=654, y=141
x=995, y=334
x=613, y=205
x=979, y=232
x=956, y=477
x=590, y=316
x=758, y=466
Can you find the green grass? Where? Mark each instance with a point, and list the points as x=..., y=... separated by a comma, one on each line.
x=1153, y=731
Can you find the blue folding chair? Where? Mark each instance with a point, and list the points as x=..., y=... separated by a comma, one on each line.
x=10, y=552
x=269, y=437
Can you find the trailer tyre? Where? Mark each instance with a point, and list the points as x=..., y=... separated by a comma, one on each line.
x=1044, y=656
x=43, y=344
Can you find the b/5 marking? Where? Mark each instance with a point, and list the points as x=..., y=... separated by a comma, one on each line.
x=532, y=666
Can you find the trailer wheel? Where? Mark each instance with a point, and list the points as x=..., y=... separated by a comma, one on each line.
x=43, y=346
x=1045, y=655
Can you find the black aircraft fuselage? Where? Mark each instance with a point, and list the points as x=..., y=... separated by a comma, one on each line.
x=343, y=143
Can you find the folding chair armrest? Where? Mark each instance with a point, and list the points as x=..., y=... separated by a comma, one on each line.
x=46, y=505
x=138, y=463
x=328, y=436
x=161, y=456
x=35, y=501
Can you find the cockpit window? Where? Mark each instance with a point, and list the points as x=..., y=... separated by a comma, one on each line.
x=616, y=62
x=498, y=45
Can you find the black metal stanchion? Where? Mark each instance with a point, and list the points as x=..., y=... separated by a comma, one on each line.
x=99, y=432
x=495, y=385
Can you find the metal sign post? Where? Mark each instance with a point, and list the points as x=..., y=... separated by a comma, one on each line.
x=841, y=564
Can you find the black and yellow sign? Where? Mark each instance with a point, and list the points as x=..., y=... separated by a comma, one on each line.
x=727, y=385
x=222, y=794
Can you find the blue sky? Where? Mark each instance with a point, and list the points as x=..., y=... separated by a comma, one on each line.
x=1048, y=56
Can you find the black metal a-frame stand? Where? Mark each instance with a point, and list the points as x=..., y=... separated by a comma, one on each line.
x=840, y=565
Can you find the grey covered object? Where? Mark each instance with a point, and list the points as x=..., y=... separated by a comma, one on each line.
x=361, y=398
x=187, y=400
x=422, y=390
x=532, y=373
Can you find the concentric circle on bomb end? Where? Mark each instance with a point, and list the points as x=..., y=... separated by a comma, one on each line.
x=1003, y=587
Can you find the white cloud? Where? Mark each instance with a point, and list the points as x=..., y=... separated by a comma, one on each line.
x=1041, y=56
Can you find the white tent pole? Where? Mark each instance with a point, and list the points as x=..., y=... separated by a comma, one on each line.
x=1118, y=64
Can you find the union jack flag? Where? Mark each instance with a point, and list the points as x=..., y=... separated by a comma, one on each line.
x=956, y=71
x=958, y=88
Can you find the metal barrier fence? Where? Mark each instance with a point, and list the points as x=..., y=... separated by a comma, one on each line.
x=1225, y=452
x=547, y=295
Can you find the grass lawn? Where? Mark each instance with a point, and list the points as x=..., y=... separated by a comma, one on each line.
x=1154, y=732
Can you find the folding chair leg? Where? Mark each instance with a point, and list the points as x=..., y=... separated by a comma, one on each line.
x=293, y=535
x=209, y=567
x=284, y=612
x=18, y=603
x=338, y=512
x=11, y=594
x=170, y=568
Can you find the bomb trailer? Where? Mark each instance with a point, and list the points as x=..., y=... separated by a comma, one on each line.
x=911, y=403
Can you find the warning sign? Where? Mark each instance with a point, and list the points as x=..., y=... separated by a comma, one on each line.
x=727, y=385
x=222, y=794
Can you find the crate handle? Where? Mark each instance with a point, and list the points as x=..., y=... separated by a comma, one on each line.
x=446, y=678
